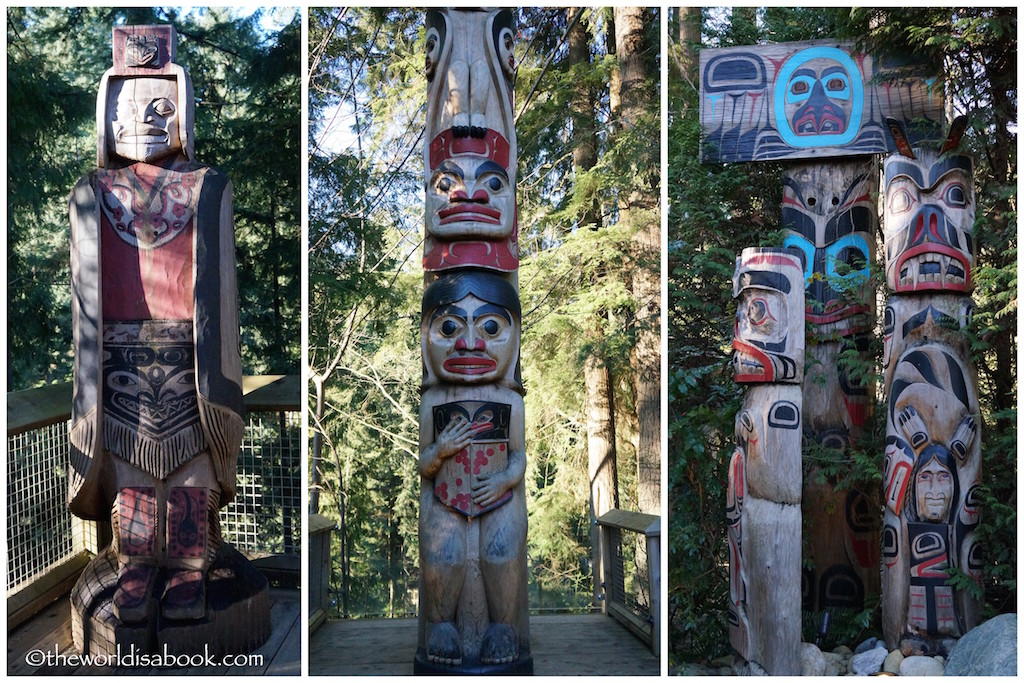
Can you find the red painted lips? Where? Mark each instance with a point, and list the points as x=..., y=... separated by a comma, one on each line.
x=470, y=365
x=469, y=212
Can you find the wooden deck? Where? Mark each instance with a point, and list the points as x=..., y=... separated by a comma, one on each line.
x=50, y=632
x=562, y=645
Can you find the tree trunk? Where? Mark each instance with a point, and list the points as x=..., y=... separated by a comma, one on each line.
x=639, y=210
x=689, y=38
x=600, y=414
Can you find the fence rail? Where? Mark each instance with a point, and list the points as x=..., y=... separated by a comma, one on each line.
x=631, y=559
x=42, y=535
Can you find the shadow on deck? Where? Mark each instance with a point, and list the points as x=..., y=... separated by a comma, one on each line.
x=49, y=632
x=562, y=645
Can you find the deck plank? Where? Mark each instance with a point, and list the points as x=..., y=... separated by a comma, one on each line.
x=565, y=644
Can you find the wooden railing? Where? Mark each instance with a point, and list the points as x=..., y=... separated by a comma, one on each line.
x=638, y=609
x=48, y=547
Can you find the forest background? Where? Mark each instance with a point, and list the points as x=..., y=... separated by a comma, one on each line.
x=245, y=72
x=587, y=103
x=716, y=210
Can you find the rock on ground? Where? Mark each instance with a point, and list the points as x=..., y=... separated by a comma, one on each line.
x=869, y=662
x=892, y=662
x=920, y=666
x=812, y=662
x=990, y=649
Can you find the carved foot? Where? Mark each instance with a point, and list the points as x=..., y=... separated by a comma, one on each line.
x=913, y=426
x=478, y=126
x=460, y=125
x=185, y=595
x=500, y=645
x=443, y=645
x=134, y=593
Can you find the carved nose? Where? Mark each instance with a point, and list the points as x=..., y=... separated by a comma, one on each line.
x=929, y=226
x=481, y=196
x=461, y=345
x=458, y=196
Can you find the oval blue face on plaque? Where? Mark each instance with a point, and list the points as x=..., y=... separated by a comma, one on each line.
x=819, y=98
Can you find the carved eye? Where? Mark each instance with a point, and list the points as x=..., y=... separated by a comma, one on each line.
x=955, y=196
x=449, y=327
x=430, y=45
x=495, y=184
x=491, y=327
x=757, y=312
x=163, y=107
x=900, y=202
x=835, y=84
x=800, y=87
x=444, y=184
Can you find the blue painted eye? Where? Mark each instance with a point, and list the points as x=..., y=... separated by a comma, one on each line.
x=837, y=86
x=806, y=253
x=799, y=89
x=851, y=251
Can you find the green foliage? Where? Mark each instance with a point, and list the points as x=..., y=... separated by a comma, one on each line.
x=717, y=210
x=247, y=89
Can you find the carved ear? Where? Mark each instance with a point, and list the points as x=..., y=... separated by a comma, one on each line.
x=899, y=136
x=956, y=131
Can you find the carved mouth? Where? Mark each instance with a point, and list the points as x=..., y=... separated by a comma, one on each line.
x=834, y=315
x=811, y=124
x=932, y=266
x=469, y=213
x=750, y=364
x=470, y=365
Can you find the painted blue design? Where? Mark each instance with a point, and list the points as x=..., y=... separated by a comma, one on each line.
x=788, y=79
x=793, y=241
x=834, y=254
x=713, y=99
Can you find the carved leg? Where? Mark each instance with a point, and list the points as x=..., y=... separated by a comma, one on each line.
x=458, y=85
x=502, y=544
x=479, y=90
x=443, y=566
x=135, y=520
x=187, y=555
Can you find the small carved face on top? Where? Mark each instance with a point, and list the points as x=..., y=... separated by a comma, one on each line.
x=470, y=197
x=929, y=222
x=768, y=337
x=471, y=341
x=143, y=123
x=933, y=487
x=433, y=52
x=831, y=219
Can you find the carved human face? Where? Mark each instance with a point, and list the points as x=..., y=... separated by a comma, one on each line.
x=470, y=197
x=143, y=113
x=929, y=223
x=768, y=286
x=471, y=341
x=506, y=45
x=433, y=52
x=934, y=491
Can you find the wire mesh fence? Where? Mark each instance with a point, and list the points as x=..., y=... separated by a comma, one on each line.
x=264, y=519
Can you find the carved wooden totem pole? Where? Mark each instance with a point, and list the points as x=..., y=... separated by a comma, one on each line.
x=933, y=440
x=474, y=616
x=829, y=212
x=763, y=497
x=157, y=417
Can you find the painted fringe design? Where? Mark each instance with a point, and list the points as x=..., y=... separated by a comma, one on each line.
x=158, y=457
x=83, y=441
x=224, y=431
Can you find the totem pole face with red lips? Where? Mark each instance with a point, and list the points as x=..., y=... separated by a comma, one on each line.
x=470, y=197
x=471, y=342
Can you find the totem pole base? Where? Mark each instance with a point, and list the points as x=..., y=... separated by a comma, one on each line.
x=237, y=617
x=521, y=667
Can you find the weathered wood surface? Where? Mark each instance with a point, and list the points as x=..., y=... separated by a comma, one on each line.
x=563, y=645
x=932, y=469
x=50, y=631
x=808, y=100
x=764, y=485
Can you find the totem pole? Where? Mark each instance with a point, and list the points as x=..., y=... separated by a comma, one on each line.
x=829, y=212
x=763, y=498
x=157, y=415
x=474, y=616
x=933, y=440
